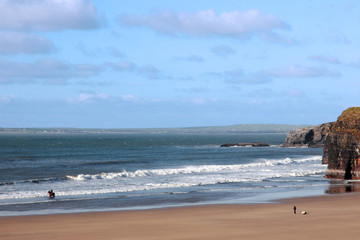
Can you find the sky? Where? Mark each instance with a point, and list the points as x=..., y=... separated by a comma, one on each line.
x=160, y=63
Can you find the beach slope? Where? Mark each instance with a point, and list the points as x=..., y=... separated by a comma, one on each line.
x=329, y=217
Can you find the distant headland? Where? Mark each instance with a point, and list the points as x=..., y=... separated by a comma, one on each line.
x=239, y=128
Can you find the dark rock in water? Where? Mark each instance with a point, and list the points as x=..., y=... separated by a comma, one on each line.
x=342, y=146
x=308, y=137
x=245, y=145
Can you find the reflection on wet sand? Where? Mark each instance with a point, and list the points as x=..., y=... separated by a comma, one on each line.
x=343, y=187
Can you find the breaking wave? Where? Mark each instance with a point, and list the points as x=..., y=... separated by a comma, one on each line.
x=202, y=169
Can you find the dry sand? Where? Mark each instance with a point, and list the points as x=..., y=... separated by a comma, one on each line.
x=329, y=217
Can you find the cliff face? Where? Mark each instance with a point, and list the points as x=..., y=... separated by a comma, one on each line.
x=342, y=146
x=308, y=137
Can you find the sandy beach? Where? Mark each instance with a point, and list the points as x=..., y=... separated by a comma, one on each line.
x=329, y=217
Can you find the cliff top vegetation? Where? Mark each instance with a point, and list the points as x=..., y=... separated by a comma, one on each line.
x=349, y=118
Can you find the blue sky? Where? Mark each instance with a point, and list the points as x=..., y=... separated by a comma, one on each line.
x=141, y=64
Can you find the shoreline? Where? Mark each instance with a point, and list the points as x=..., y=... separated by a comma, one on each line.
x=329, y=217
x=265, y=198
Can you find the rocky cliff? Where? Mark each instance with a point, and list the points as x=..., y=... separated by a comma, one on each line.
x=308, y=137
x=342, y=146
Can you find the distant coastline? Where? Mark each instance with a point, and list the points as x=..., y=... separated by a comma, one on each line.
x=240, y=128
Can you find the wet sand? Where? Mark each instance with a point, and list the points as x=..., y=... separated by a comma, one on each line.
x=328, y=217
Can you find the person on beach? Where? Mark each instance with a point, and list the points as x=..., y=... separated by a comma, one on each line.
x=51, y=194
x=294, y=209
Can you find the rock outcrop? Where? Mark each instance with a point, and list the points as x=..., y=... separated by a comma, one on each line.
x=308, y=137
x=253, y=144
x=342, y=146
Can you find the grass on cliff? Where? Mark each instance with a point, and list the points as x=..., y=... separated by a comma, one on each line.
x=350, y=114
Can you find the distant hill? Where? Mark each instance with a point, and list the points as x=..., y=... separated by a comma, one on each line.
x=275, y=128
x=240, y=128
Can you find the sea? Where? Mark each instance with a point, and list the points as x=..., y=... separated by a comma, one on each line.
x=131, y=171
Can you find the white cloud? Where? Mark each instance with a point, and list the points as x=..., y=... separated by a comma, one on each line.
x=128, y=98
x=199, y=101
x=122, y=66
x=223, y=50
x=264, y=93
x=193, y=90
x=20, y=17
x=325, y=58
x=233, y=24
x=47, y=15
x=338, y=37
x=237, y=76
x=86, y=51
x=17, y=42
x=99, y=51
x=151, y=72
x=191, y=58
x=355, y=64
x=276, y=38
x=148, y=71
x=88, y=96
x=268, y=93
x=55, y=71
x=7, y=98
x=45, y=70
x=294, y=93
x=299, y=71
x=115, y=52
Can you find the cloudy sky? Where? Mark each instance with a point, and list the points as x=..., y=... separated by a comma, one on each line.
x=160, y=63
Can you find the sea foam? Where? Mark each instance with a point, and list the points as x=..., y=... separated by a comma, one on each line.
x=192, y=169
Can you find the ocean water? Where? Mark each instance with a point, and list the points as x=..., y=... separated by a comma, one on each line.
x=100, y=172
